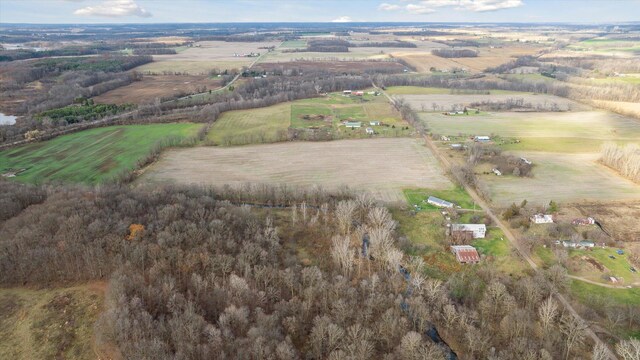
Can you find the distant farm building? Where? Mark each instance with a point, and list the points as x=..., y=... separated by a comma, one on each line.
x=457, y=146
x=481, y=138
x=465, y=254
x=445, y=138
x=346, y=92
x=374, y=123
x=370, y=131
x=477, y=231
x=497, y=172
x=439, y=202
x=584, y=221
x=541, y=219
x=358, y=93
x=353, y=124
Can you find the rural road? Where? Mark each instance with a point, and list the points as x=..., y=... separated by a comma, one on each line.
x=232, y=80
x=514, y=241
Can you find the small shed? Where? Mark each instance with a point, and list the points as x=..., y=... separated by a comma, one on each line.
x=374, y=123
x=353, y=124
x=370, y=131
x=346, y=92
x=481, y=138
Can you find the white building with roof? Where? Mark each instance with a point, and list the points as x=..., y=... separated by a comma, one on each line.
x=478, y=230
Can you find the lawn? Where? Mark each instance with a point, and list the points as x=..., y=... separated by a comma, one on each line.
x=588, y=293
x=498, y=251
x=417, y=198
x=90, y=156
x=618, y=267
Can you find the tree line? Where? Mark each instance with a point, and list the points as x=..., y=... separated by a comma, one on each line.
x=201, y=277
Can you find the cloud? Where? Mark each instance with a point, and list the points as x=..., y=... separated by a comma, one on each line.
x=489, y=5
x=114, y=8
x=419, y=9
x=342, y=19
x=388, y=7
x=429, y=6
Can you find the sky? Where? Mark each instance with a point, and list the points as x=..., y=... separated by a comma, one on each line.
x=212, y=11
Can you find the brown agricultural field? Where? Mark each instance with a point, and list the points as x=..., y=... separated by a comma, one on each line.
x=488, y=57
x=614, y=217
x=333, y=66
x=157, y=86
x=205, y=56
x=381, y=167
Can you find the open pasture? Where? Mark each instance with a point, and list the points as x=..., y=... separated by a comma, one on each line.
x=90, y=156
x=382, y=167
x=581, y=131
x=157, y=86
x=271, y=124
x=561, y=177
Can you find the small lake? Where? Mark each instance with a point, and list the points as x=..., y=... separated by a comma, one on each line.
x=7, y=119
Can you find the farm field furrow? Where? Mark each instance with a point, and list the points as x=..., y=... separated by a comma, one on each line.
x=89, y=156
x=382, y=167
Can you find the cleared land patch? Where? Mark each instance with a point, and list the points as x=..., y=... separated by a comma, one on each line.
x=561, y=177
x=50, y=323
x=157, y=86
x=382, y=167
x=90, y=156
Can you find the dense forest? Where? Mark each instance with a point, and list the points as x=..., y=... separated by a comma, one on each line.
x=195, y=274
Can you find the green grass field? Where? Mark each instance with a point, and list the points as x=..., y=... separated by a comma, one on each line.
x=417, y=198
x=271, y=124
x=588, y=293
x=618, y=267
x=90, y=156
x=498, y=250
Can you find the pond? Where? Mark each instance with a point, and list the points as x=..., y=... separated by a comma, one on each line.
x=7, y=119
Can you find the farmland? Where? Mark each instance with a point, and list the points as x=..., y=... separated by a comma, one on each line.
x=561, y=177
x=205, y=56
x=157, y=86
x=91, y=156
x=324, y=114
x=580, y=131
x=446, y=100
x=382, y=167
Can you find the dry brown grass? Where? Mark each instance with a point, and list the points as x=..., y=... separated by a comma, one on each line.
x=157, y=86
x=381, y=167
